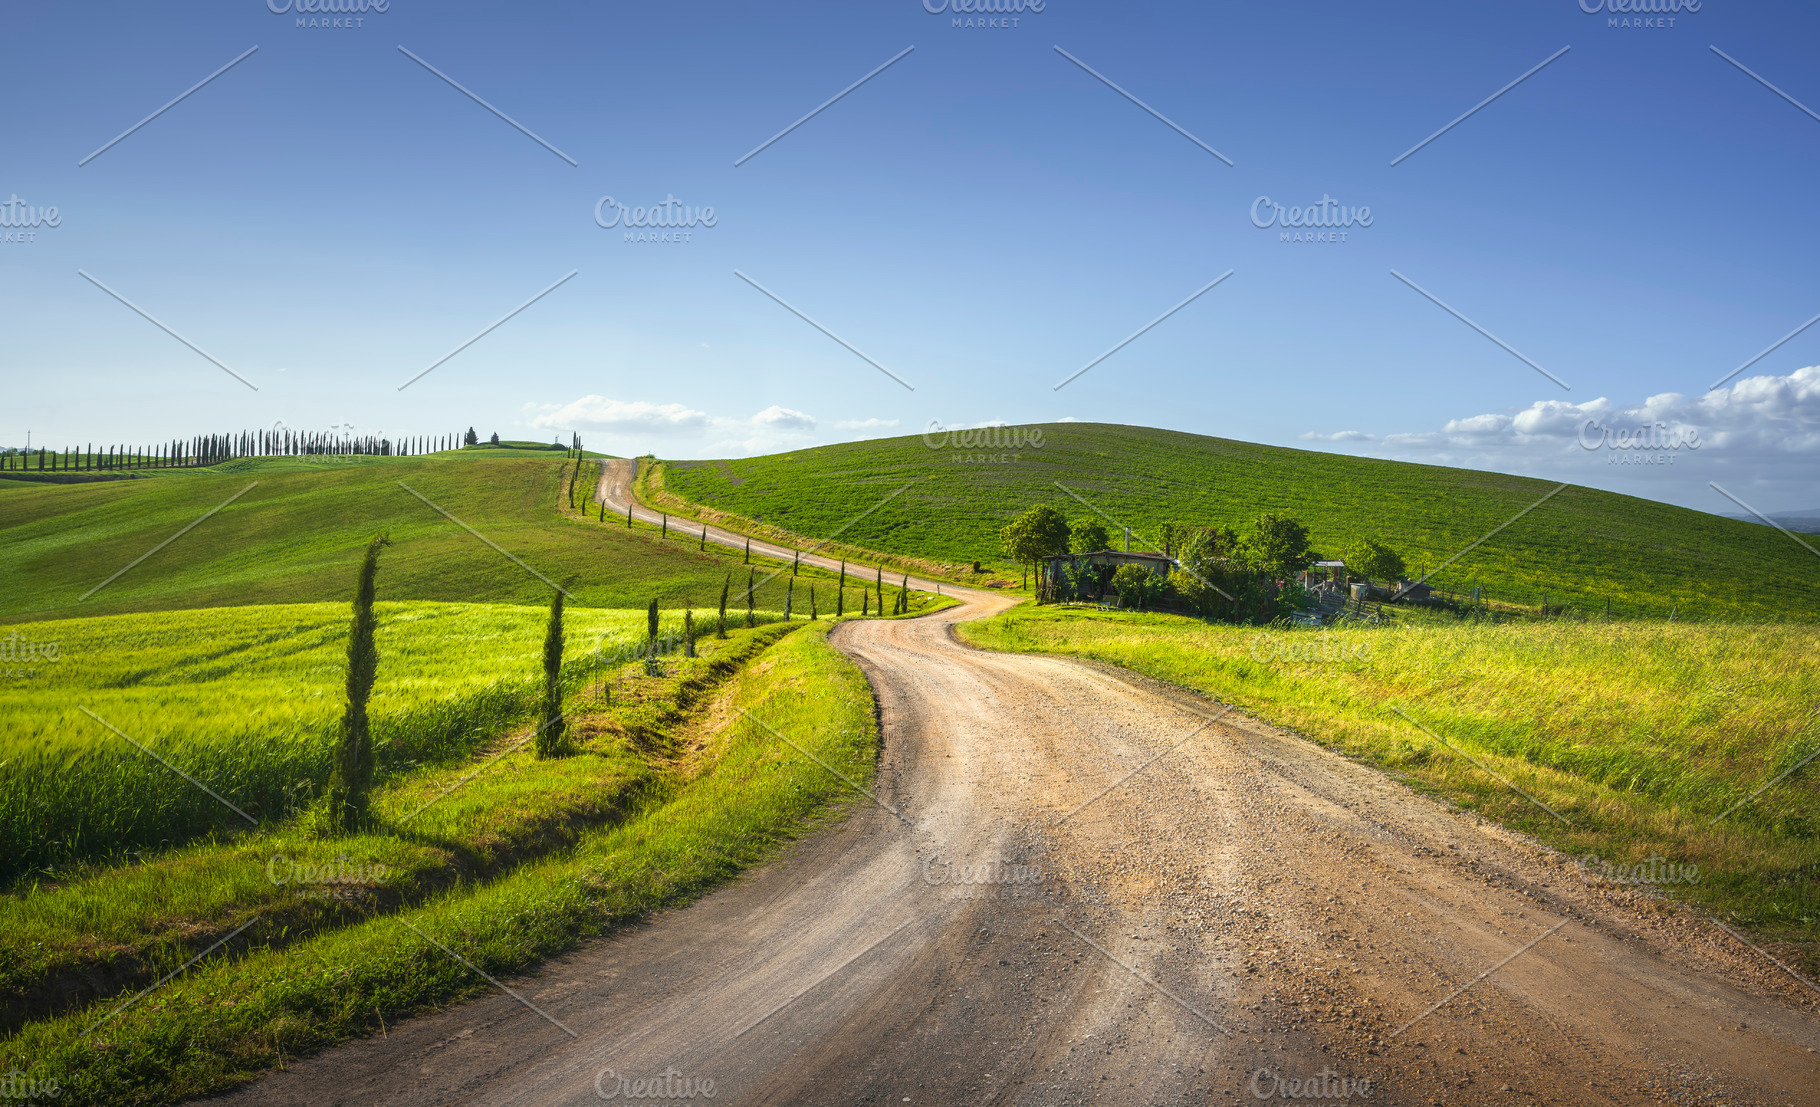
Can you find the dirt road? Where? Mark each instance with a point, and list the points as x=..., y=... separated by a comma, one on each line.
x=1079, y=887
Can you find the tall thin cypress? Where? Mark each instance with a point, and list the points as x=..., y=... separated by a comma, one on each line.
x=688, y=633
x=720, y=629
x=749, y=597
x=840, y=602
x=812, y=612
x=789, y=597
x=881, y=589
x=797, y=564
x=552, y=727
x=352, y=777
x=704, y=538
x=748, y=543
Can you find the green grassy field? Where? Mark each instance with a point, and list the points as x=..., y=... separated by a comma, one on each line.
x=1582, y=547
x=1645, y=737
x=297, y=534
x=247, y=701
x=723, y=799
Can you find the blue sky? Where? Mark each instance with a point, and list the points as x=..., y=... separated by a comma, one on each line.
x=983, y=218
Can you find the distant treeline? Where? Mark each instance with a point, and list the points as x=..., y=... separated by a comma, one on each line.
x=212, y=449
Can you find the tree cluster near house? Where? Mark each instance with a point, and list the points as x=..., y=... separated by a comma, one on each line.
x=1207, y=569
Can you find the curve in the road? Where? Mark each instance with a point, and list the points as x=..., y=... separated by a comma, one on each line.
x=1095, y=889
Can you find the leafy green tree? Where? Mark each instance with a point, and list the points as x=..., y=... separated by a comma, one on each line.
x=1278, y=546
x=1087, y=536
x=471, y=439
x=1134, y=584
x=1034, y=535
x=352, y=777
x=1374, y=561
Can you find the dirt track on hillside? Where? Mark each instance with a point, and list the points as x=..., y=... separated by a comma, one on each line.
x=1093, y=889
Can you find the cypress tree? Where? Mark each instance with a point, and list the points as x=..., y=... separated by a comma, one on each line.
x=864, y=598
x=704, y=538
x=796, y=564
x=720, y=629
x=665, y=533
x=353, y=773
x=812, y=612
x=651, y=625
x=572, y=475
x=603, y=511
x=840, y=602
x=749, y=596
x=748, y=543
x=843, y=574
x=551, y=729
x=628, y=516
x=688, y=633
x=789, y=595
x=881, y=589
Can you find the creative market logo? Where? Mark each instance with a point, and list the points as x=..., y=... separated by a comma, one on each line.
x=669, y=222
x=328, y=15
x=983, y=15
x=994, y=444
x=1639, y=15
x=19, y=221
x=1323, y=222
x=1654, y=444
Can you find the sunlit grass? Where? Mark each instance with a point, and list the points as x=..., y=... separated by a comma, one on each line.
x=230, y=1017
x=1642, y=735
x=247, y=701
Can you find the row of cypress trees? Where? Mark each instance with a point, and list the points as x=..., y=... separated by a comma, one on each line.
x=212, y=449
x=351, y=779
x=354, y=763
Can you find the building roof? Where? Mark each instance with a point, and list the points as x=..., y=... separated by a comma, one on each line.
x=1153, y=555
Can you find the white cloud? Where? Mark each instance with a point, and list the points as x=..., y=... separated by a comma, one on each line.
x=1762, y=429
x=601, y=414
x=635, y=426
x=866, y=424
x=783, y=418
x=1760, y=416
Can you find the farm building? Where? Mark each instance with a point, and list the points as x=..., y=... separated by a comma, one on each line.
x=1109, y=561
x=1093, y=571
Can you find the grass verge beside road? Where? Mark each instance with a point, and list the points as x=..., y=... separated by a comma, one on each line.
x=1650, y=739
x=737, y=792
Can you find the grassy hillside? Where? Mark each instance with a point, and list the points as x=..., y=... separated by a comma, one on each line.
x=297, y=536
x=1583, y=547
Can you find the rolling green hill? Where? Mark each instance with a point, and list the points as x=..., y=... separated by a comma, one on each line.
x=1582, y=547
x=298, y=532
